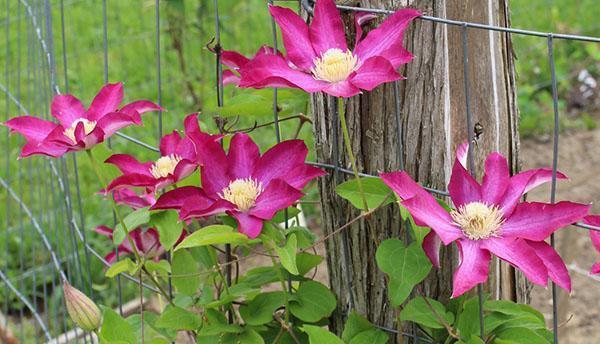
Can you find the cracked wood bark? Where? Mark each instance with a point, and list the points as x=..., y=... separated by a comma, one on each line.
x=433, y=121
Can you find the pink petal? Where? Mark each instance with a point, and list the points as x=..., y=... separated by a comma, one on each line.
x=196, y=135
x=278, y=195
x=140, y=107
x=462, y=153
x=67, y=109
x=536, y=221
x=556, y=267
x=299, y=176
x=463, y=188
x=272, y=70
x=197, y=209
x=431, y=246
x=103, y=230
x=295, y=35
x=386, y=40
x=595, y=237
x=243, y=156
x=186, y=149
x=473, y=268
x=134, y=179
x=88, y=141
x=169, y=142
x=496, y=178
x=175, y=199
x=214, y=170
x=233, y=59
x=32, y=128
x=326, y=30
x=43, y=148
x=374, y=72
x=425, y=210
x=278, y=161
x=520, y=255
x=523, y=182
x=342, y=89
x=595, y=269
x=433, y=216
x=360, y=19
x=107, y=100
x=183, y=169
x=114, y=121
x=111, y=257
x=248, y=224
x=129, y=165
x=130, y=198
x=230, y=78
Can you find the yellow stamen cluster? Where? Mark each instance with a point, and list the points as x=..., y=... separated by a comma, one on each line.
x=334, y=65
x=242, y=192
x=88, y=127
x=478, y=220
x=165, y=165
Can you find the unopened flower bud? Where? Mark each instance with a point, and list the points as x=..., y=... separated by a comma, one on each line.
x=82, y=310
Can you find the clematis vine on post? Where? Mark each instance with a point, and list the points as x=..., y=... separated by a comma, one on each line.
x=489, y=219
x=79, y=128
x=243, y=183
x=318, y=59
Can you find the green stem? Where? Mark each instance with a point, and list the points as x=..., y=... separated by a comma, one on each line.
x=114, y=205
x=350, y=154
x=270, y=246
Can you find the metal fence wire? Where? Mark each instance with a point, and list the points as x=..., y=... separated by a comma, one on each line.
x=44, y=230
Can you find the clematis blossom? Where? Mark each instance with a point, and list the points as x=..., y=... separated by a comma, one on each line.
x=318, y=58
x=488, y=218
x=178, y=160
x=79, y=128
x=146, y=242
x=243, y=183
x=234, y=61
x=594, y=220
x=130, y=198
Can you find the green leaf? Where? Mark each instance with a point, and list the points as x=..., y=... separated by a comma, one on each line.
x=304, y=235
x=132, y=221
x=306, y=262
x=123, y=265
x=320, y=335
x=370, y=337
x=468, y=321
x=259, y=103
x=313, y=302
x=260, y=310
x=287, y=254
x=405, y=266
x=213, y=235
x=215, y=323
x=418, y=232
x=359, y=330
x=184, y=265
x=161, y=267
x=375, y=190
x=176, y=318
x=418, y=311
x=169, y=227
x=115, y=329
x=249, y=336
x=522, y=335
x=280, y=215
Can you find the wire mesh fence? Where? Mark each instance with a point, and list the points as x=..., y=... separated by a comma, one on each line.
x=46, y=236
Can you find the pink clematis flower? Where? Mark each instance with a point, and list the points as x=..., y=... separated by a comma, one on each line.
x=130, y=198
x=594, y=220
x=242, y=183
x=318, y=58
x=79, y=128
x=146, y=242
x=178, y=160
x=489, y=219
x=234, y=61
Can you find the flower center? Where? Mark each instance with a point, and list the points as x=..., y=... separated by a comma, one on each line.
x=478, y=220
x=334, y=65
x=242, y=192
x=165, y=165
x=88, y=126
